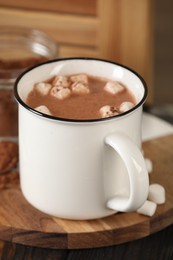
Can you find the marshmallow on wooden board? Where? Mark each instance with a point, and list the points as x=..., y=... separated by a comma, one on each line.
x=43, y=109
x=156, y=193
x=107, y=111
x=149, y=165
x=43, y=88
x=60, y=92
x=79, y=78
x=148, y=208
x=125, y=106
x=61, y=81
x=113, y=87
x=80, y=88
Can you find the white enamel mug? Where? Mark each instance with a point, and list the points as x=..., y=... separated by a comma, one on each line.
x=82, y=169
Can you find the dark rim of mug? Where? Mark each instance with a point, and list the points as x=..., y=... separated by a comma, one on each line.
x=20, y=101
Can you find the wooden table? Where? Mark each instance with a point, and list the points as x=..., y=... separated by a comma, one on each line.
x=140, y=237
x=158, y=246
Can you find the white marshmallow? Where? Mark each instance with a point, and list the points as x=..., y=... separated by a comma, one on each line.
x=79, y=78
x=43, y=88
x=80, y=88
x=125, y=106
x=61, y=81
x=60, y=92
x=113, y=87
x=157, y=193
x=43, y=109
x=149, y=165
x=107, y=111
x=148, y=208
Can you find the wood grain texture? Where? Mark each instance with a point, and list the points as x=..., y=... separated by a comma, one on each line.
x=23, y=224
x=77, y=51
x=63, y=28
x=157, y=246
x=66, y=6
x=109, y=36
x=137, y=38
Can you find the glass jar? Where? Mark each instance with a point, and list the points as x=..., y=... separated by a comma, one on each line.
x=20, y=48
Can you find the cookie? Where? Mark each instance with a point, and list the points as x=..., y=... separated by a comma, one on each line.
x=8, y=156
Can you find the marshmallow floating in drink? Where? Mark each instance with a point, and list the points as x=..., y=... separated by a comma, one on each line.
x=107, y=111
x=80, y=88
x=43, y=109
x=125, y=106
x=60, y=92
x=62, y=81
x=113, y=87
x=43, y=88
x=79, y=78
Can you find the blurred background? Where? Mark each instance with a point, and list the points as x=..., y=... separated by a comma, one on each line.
x=163, y=60
x=136, y=33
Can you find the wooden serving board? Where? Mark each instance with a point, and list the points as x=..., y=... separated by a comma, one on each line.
x=23, y=224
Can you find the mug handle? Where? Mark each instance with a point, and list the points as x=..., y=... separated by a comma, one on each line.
x=137, y=173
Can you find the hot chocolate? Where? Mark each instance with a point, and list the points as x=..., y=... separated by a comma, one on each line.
x=80, y=97
x=81, y=169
